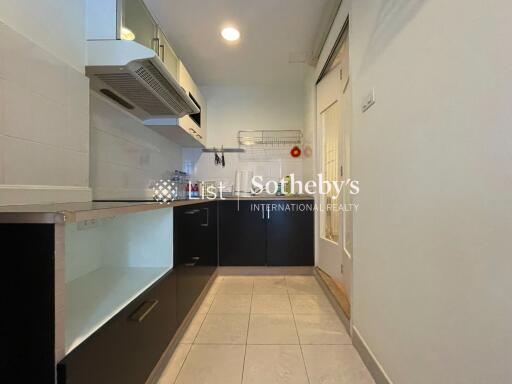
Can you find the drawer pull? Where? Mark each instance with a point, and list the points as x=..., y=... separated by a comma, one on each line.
x=140, y=314
x=193, y=263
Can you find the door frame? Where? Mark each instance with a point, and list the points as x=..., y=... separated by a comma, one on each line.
x=329, y=64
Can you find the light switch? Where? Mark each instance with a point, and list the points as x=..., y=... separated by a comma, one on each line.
x=368, y=101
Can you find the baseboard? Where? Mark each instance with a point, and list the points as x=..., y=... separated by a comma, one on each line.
x=272, y=271
x=121, y=194
x=339, y=311
x=43, y=194
x=369, y=359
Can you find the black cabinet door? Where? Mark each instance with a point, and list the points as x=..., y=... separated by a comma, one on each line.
x=290, y=233
x=195, y=251
x=127, y=348
x=242, y=234
x=28, y=322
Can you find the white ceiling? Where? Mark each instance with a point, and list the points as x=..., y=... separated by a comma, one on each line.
x=270, y=30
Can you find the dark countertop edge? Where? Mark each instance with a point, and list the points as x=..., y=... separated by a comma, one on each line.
x=61, y=213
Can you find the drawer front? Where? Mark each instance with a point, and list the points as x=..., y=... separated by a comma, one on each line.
x=128, y=347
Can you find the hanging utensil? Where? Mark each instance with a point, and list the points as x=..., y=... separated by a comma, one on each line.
x=223, y=161
x=217, y=158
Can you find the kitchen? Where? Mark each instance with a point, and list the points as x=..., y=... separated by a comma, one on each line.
x=236, y=192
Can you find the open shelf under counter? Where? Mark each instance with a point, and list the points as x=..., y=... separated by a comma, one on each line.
x=93, y=299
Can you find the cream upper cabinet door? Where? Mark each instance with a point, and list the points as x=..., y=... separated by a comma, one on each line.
x=167, y=55
x=195, y=125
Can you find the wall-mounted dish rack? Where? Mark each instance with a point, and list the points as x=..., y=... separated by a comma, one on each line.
x=270, y=139
x=264, y=145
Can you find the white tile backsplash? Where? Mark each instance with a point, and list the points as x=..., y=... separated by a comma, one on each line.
x=32, y=163
x=1, y=159
x=126, y=156
x=44, y=116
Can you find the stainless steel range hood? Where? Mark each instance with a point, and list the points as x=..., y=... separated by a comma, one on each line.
x=135, y=78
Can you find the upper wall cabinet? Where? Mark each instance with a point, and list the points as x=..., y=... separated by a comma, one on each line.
x=130, y=61
x=167, y=54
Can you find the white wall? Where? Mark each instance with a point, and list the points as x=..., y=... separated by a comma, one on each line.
x=235, y=108
x=125, y=155
x=432, y=252
x=57, y=26
x=44, y=111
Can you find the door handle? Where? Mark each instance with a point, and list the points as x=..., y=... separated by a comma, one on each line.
x=207, y=218
x=143, y=310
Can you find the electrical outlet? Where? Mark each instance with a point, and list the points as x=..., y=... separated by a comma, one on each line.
x=368, y=101
x=87, y=224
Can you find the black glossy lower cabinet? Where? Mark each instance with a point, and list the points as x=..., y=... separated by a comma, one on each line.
x=266, y=233
x=290, y=234
x=242, y=234
x=127, y=348
x=195, y=252
x=28, y=307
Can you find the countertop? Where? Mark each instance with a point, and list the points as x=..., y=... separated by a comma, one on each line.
x=74, y=212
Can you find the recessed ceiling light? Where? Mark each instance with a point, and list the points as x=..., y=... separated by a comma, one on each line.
x=230, y=34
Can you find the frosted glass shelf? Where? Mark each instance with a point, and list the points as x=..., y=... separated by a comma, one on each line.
x=93, y=299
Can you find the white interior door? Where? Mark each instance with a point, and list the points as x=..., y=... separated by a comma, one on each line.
x=333, y=130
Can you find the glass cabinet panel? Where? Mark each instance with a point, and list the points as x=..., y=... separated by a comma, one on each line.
x=138, y=24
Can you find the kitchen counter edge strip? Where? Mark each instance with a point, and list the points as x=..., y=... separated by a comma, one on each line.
x=74, y=212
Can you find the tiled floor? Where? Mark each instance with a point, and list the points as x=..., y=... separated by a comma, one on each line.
x=266, y=330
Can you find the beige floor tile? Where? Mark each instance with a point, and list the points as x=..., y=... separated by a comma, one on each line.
x=310, y=304
x=225, y=304
x=321, y=329
x=223, y=329
x=272, y=329
x=270, y=304
x=335, y=364
x=274, y=364
x=303, y=285
x=192, y=330
x=270, y=285
x=172, y=369
x=213, y=364
x=234, y=285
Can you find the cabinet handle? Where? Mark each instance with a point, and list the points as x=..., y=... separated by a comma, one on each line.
x=191, y=264
x=144, y=309
x=192, y=212
x=156, y=45
x=163, y=52
x=207, y=218
x=268, y=214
